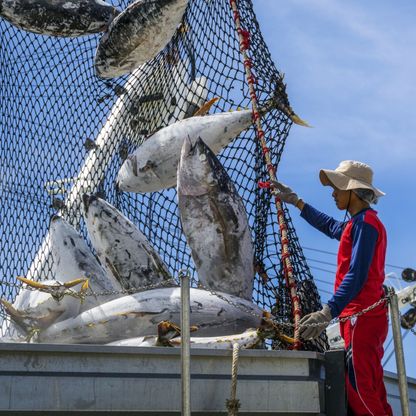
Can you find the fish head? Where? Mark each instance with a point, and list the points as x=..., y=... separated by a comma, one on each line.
x=99, y=214
x=62, y=234
x=92, y=206
x=67, y=247
x=125, y=172
x=196, y=175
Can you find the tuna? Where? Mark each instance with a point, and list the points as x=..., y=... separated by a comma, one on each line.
x=42, y=308
x=246, y=340
x=137, y=35
x=214, y=221
x=153, y=165
x=121, y=247
x=68, y=18
x=74, y=259
x=169, y=336
x=139, y=314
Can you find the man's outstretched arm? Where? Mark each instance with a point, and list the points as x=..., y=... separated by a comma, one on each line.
x=322, y=222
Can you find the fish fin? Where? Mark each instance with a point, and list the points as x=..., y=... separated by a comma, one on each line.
x=75, y=282
x=285, y=338
x=293, y=116
x=32, y=283
x=269, y=329
x=83, y=291
x=85, y=286
x=10, y=309
x=204, y=109
x=167, y=330
x=285, y=109
x=17, y=316
x=297, y=120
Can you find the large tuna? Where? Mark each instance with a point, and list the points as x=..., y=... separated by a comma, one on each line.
x=46, y=302
x=72, y=260
x=169, y=336
x=121, y=246
x=248, y=339
x=137, y=35
x=153, y=166
x=214, y=221
x=59, y=17
x=139, y=315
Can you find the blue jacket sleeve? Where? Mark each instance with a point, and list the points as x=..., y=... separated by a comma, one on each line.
x=322, y=222
x=364, y=239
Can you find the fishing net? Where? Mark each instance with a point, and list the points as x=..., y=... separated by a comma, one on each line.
x=61, y=138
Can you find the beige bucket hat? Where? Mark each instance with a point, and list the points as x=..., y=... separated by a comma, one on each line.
x=350, y=175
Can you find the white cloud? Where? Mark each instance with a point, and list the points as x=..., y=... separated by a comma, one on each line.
x=350, y=74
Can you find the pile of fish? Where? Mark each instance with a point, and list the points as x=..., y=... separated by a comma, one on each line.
x=126, y=293
x=132, y=37
x=127, y=290
x=102, y=312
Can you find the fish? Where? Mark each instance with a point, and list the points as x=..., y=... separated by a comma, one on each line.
x=214, y=222
x=169, y=336
x=121, y=247
x=138, y=315
x=49, y=301
x=246, y=340
x=73, y=259
x=66, y=18
x=152, y=167
x=137, y=35
x=138, y=88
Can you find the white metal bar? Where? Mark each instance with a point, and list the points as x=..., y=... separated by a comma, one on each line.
x=186, y=343
x=398, y=348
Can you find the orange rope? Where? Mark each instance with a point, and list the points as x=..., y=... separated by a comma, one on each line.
x=244, y=37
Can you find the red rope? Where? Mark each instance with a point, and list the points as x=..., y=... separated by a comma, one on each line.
x=244, y=37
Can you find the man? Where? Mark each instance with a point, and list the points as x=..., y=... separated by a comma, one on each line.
x=358, y=282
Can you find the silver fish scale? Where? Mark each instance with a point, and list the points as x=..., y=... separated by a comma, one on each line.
x=121, y=246
x=137, y=35
x=214, y=222
x=59, y=17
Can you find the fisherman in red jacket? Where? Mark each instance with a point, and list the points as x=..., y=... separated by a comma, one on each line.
x=358, y=281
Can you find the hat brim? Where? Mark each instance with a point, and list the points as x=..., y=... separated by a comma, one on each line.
x=345, y=183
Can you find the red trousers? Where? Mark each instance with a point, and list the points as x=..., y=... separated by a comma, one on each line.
x=364, y=337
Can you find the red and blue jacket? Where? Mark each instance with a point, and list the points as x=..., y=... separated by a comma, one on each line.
x=361, y=256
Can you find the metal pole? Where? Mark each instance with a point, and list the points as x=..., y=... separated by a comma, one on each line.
x=185, y=342
x=398, y=348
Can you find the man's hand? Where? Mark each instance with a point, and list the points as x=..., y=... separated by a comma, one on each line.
x=284, y=193
x=322, y=318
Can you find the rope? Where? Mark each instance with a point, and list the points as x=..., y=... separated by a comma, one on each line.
x=244, y=37
x=233, y=404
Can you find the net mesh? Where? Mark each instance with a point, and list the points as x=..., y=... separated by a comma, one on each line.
x=55, y=111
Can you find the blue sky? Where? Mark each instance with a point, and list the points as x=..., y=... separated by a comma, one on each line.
x=349, y=68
